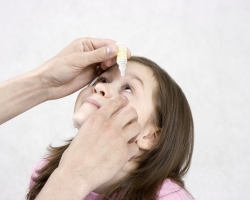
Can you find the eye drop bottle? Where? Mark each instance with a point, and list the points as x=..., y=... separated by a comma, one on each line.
x=121, y=58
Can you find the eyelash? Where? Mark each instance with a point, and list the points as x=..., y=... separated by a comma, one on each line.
x=128, y=86
x=102, y=79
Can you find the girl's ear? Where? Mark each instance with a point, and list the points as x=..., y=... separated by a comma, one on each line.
x=148, y=138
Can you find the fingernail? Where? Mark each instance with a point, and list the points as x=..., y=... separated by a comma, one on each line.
x=111, y=50
x=110, y=62
x=107, y=63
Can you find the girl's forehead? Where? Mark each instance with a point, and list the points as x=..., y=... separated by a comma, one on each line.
x=133, y=68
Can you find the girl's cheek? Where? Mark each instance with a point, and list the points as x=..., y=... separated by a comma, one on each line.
x=129, y=97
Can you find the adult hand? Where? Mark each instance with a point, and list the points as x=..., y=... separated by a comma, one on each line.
x=102, y=146
x=67, y=72
x=76, y=65
x=104, y=143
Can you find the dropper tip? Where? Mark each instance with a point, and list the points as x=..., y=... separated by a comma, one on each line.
x=122, y=72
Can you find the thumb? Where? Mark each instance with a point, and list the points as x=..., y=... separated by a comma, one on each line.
x=99, y=55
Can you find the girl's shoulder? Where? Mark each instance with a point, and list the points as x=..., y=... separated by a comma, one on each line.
x=172, y=191
x=34, y=174
x=168, y=191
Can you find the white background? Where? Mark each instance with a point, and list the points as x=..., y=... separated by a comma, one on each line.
x=204, y=45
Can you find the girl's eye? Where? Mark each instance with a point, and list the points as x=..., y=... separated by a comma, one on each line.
x=127, y=88
x=102, y=80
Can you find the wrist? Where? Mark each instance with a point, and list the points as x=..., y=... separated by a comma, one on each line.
x=78, y=184
x=39, y=74
x=61, y=185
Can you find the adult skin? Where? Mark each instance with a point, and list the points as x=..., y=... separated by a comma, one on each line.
x=83, y=166
x=99, y=150
x=71, y=69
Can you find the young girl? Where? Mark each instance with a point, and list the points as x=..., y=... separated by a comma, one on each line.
x=165, y=142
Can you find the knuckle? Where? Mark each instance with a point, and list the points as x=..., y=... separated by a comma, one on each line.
x=81, y=44
x=82, y=39
x=108, y=126
x=77, y=41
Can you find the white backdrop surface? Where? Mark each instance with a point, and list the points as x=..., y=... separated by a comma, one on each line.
x=204, y=45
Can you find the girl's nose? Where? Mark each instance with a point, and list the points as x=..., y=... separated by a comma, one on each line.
x=103, y=89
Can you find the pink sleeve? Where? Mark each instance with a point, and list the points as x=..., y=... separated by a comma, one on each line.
x=34, y=174
x=172, y=191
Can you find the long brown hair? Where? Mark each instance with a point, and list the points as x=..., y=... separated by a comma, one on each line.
x=169, y=158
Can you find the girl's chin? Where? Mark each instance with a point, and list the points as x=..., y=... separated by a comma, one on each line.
x=76, y=125
x=82, y=114
x=78, y=120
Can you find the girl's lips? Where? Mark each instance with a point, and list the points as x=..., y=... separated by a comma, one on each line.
x=92, y=102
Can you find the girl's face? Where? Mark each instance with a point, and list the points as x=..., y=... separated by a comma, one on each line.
x=137, y=85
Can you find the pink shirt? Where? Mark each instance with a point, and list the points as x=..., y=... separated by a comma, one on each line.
x=168, y=191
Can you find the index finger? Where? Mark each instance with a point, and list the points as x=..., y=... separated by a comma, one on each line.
x=101, y=42
x=98, y=42
x=112, y=106
x=80, y=45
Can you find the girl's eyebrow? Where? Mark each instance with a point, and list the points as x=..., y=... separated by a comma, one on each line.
x=133, y=76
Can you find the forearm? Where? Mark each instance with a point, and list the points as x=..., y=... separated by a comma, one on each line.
x=19, y=94
x=60, y=186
